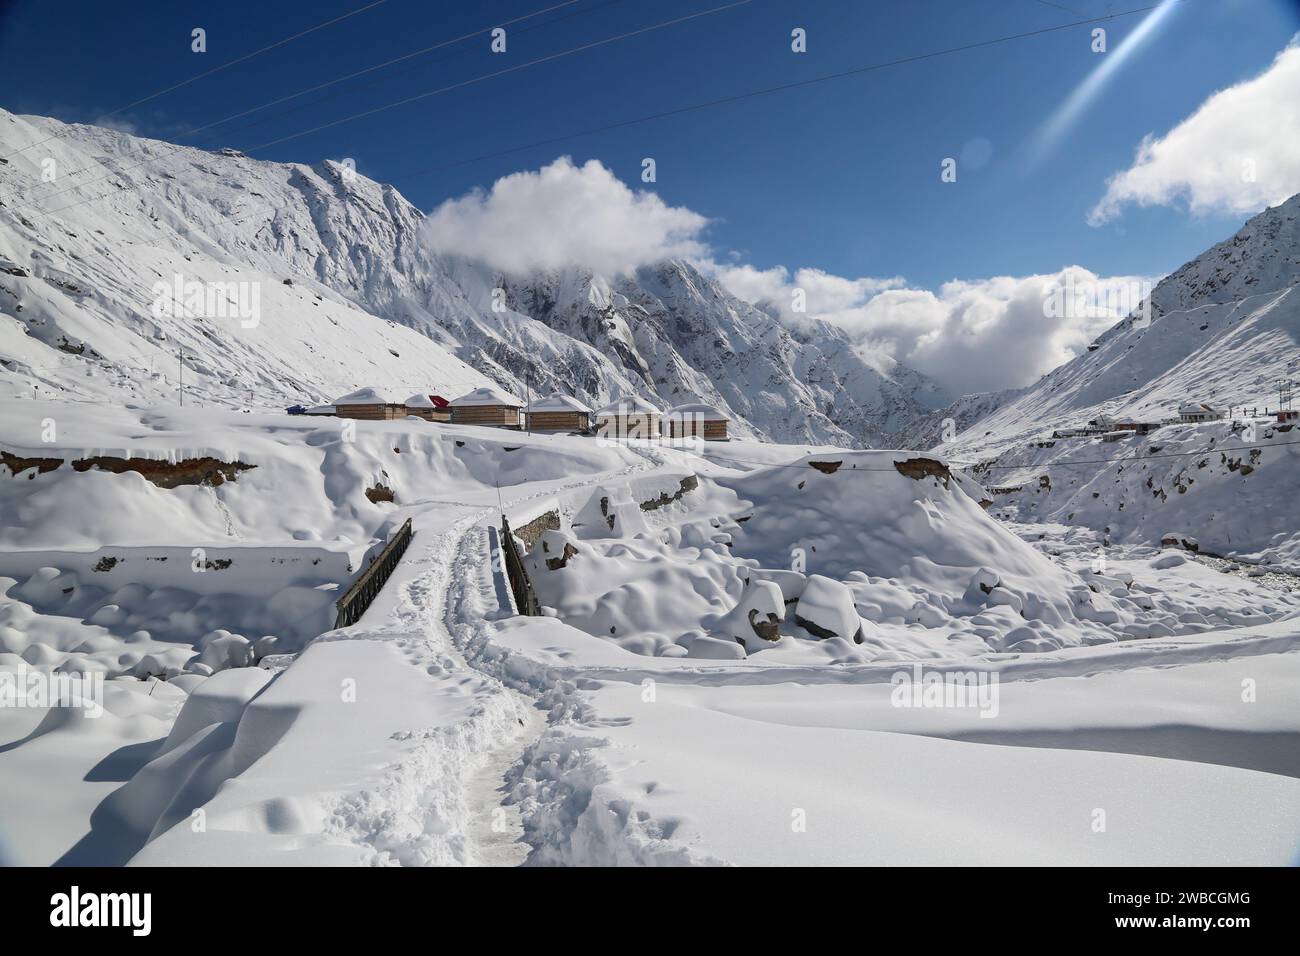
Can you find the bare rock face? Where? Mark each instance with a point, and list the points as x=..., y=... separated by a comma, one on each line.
x=918, y=468
x=159, y=471
x=377, y=493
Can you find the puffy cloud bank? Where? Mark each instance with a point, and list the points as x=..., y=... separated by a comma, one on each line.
x=972, y=336
x=563, y=215
x=1238, y=153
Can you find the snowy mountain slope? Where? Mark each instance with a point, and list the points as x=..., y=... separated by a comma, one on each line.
x=1213, y=482
x=668, y=333
x=79, y=290
x=1223, y=329
x=929, y=431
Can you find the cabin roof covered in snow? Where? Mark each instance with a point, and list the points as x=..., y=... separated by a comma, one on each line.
x=487, y=395
x=628, y=405
x=691, y=409
x=364, y=396
x=420, y=401
x=558, y=403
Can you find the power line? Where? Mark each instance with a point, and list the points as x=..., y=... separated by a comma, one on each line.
x=722, y=101
x=709, y=104
x=312, y=89
x=216, y=69
x=1057, y=6
x=419, y=96
x=443, y=59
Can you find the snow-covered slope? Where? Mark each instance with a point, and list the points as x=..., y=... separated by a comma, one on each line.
x=333, y=255
x=79, y=291
x=1222, y=329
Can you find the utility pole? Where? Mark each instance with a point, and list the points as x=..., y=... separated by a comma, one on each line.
x=528, y=397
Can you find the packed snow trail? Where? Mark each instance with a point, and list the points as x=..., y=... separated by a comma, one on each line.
x=481, y=828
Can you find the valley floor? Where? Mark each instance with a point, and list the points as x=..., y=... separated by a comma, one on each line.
x=444, y=729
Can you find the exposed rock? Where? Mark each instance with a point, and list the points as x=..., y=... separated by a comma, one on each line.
x=168, y=474
x=918, y=468
x=377, y=493
x=689, y=483
x=17, y=464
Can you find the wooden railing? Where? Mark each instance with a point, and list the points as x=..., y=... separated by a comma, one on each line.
x=520, y=586
x=366, y=588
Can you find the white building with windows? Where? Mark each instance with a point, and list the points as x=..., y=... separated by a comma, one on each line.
x=1199, y=413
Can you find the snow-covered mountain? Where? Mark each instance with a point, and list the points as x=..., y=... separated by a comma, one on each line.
x=1223, y=329
x=343, y=276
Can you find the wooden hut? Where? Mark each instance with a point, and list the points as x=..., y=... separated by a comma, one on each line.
x=557, y=413
x=697, y=420
x=370, y=405
x=630, y=417
x=432, y=408
x=486, y=406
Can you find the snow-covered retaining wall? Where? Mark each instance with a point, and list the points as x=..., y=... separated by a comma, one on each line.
x=531, y=519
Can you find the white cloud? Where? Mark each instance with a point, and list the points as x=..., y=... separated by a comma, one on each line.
x=774, y=288
x=119, y=124
x=1239, y=152
x=564, y=215
x=972, y=336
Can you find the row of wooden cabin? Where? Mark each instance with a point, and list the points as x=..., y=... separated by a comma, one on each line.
x=630, y=417
x=370, y=405
x=624, y=418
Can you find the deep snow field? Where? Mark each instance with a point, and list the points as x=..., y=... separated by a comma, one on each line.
x=748, y=653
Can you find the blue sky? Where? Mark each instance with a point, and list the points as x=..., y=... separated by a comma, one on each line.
x=842, y=176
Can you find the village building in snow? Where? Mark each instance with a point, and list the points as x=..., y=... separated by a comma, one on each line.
x=432, y=408
x=489, y=405
x=1201, y=412
x=366, y=404
x=557, y=413
x=697, y=420
x=1139, y=428
x=629, y=417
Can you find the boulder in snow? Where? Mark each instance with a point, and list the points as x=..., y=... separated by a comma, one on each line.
x=755, y=621
x=825, y=609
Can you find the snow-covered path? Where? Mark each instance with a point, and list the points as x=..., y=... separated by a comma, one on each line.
x=435, y=744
